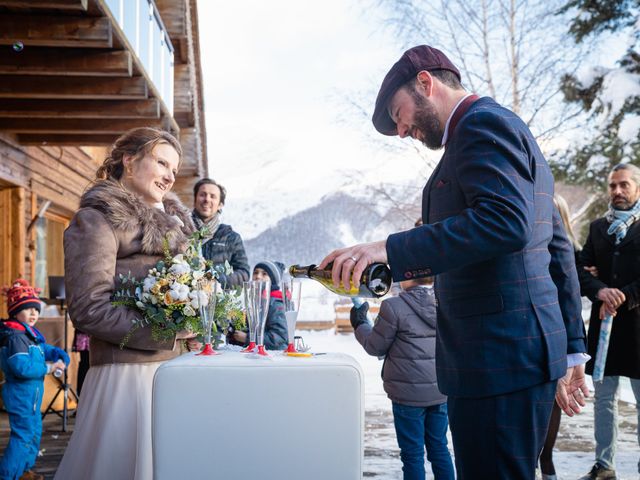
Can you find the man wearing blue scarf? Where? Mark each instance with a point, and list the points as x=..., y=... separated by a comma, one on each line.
x=613, y=247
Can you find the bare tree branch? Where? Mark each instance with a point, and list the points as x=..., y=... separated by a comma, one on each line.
x=513, y=50
x=486, y=50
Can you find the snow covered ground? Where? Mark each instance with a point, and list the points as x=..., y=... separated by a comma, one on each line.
x=574, y=449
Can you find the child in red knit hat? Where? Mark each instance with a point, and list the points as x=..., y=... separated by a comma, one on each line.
x=25, y=358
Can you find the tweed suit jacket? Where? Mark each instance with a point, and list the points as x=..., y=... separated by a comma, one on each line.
x=506, y=283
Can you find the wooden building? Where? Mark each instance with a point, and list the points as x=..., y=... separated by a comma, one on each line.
x=75, y=74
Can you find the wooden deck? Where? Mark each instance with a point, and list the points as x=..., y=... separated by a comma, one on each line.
x=53, y=444
x=380, y=449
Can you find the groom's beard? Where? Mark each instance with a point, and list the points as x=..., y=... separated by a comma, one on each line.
x=426, y=120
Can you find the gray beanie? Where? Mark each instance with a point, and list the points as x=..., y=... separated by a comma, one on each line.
x=274, y=272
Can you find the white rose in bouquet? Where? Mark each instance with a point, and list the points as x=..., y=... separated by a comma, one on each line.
x=188, y=310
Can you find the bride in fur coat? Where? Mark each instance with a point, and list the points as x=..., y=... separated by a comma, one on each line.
x=123, y=220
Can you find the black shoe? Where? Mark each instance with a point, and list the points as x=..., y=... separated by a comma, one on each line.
x=598, y=472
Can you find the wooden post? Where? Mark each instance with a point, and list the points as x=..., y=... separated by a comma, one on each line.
x=18, y=237
x=32, y=238
x=12, y=238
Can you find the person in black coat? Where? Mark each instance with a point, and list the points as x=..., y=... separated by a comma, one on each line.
x=221, y=244
x=613, y=248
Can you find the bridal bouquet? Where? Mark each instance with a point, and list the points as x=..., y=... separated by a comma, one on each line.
x=171, y=294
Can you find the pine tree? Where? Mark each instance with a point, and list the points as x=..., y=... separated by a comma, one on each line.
x=610, y=96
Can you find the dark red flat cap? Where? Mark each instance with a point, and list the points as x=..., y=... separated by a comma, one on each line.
x=414, y=60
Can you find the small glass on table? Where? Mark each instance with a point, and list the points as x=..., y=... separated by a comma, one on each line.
x=207, y=304
x=247, y=293
x=263, y=298
x=291, y=290
x=256, y=298
x=222, y=325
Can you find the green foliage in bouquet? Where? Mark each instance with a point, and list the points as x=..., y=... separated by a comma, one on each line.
x=170, y=296
x=229, y=310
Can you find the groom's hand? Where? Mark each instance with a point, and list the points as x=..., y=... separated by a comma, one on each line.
x=572, y=390
x=354, y=259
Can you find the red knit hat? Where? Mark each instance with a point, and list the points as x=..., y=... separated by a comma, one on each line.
x=21, y=296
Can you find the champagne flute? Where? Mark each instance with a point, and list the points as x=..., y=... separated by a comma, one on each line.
x=262, y=298
x=223, y=325
x=291, y=290
x=207, y=313
x=249, y=305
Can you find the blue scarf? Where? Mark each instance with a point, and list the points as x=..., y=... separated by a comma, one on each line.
x=621, y=220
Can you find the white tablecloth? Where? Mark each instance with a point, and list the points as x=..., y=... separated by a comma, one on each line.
x=239, y=416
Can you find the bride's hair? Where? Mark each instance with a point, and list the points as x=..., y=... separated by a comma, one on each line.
x=135, y=143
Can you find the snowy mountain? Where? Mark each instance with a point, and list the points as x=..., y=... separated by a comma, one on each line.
x=342, y=218
x=297, y=232
x=307, y=236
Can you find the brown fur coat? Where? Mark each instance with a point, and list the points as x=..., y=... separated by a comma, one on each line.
x=126, y=211
x=115, y=233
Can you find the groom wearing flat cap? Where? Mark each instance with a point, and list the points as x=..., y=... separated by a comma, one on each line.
x=510, y=334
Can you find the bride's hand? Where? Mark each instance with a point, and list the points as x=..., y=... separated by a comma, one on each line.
x=194, y=345
x=185, y=335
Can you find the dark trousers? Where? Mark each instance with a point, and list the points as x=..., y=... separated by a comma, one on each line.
x=420, y=427
x=500, y=437
x=83, y=368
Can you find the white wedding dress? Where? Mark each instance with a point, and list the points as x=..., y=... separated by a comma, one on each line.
x=112, y=435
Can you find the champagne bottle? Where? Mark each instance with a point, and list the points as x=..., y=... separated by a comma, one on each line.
x=375, y=281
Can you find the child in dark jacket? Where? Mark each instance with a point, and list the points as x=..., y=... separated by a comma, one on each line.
x=275, y=329
x=25, y=359
x=405, y=333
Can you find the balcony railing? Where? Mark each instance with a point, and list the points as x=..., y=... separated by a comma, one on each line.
x=145, y=32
